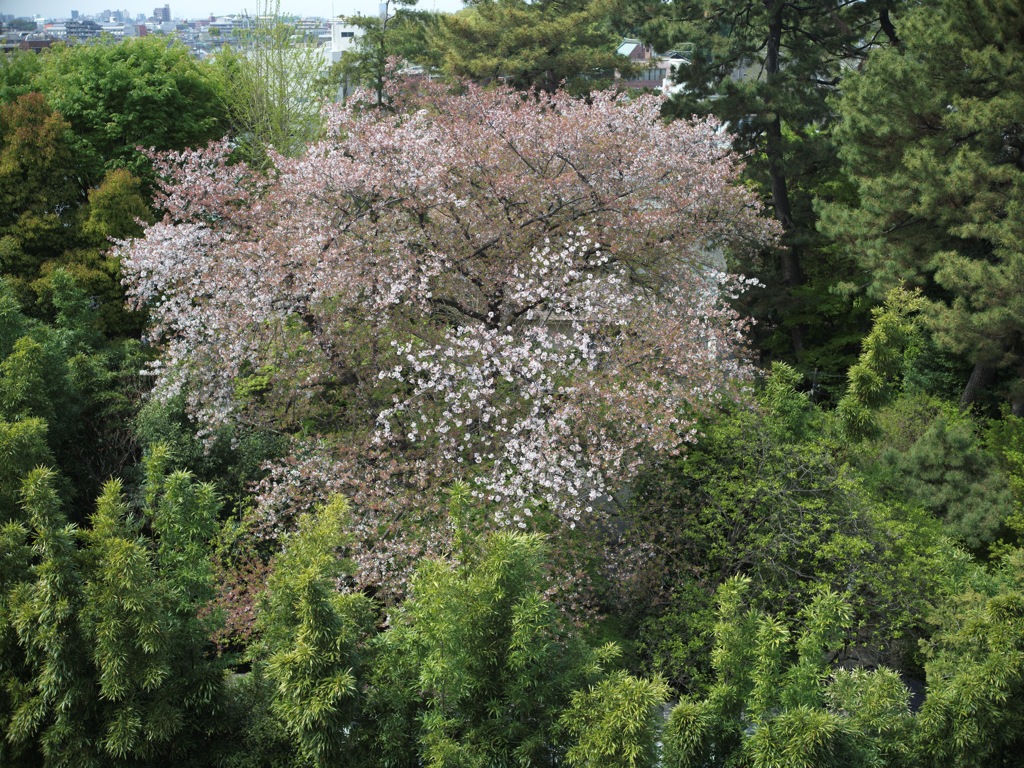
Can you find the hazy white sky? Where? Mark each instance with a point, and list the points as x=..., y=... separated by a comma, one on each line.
x=194, y=9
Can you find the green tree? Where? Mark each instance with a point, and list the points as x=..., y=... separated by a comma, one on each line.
x=930, y=134
x=973, y=714
x=767, y=68
x=614, y=723
x=479, y=669
x=46, y=676
x=38, y=189
x=397, y=33
x=887, y=353
x=17, y=69
x=950, y=472
x=24, y=25
x=139, y=92
x=23, y=447
x=531, y=45
x=83, y=389
x=768, y=492
x=107, y=663
x=778, y=701
x=273, y=88
x=313, y=640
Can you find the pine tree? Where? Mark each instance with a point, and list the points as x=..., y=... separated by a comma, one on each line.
x=767, y=68
x=931, y=134
x=544, y=45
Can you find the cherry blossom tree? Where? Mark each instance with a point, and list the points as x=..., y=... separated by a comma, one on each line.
x=521, y=291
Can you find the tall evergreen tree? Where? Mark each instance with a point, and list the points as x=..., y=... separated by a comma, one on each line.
x=932, y=135
x=767, y=68
x=542, y=45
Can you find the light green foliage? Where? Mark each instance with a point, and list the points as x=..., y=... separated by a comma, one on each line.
x=778, y=703
x=106, y=666
x=930, y=134
x=115, y=208
x=973, y=715
x=23, y=447
x=886, y=353
x=613, y=724
x=15, y=559
x=48, y=678
x=273, y=88
x=17, y=69
x=479, y=669
x=539, y=45
x=314, y=637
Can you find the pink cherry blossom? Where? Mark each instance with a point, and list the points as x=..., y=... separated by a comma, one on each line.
x=523, y=292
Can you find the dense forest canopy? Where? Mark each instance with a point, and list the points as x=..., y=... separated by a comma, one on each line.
x=499, y=419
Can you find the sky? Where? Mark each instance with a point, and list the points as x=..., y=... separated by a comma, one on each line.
x=195, y=9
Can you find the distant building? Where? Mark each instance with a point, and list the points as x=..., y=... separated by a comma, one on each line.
x=343, y=38
x=81, y=30
x=224, y=27
x=656, y=70
x=74, y=15
x=162, y=14
x=311, y=27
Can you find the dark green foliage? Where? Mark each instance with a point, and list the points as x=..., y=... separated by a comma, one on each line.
x=38, y=195
x=766, y=492
x=398, y=34
x=933, y=456
x=231, y=458
x=676, y=637
x=767, y=70
x=24, y=25
x=77, y=389
x=258, y=738
x=72, y=120
x=931, y=136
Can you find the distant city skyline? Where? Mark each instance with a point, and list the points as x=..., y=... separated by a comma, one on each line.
x=199, y=9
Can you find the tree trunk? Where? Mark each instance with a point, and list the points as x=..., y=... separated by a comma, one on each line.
x=792, y=274
x=981, y=377
x=887, y=27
